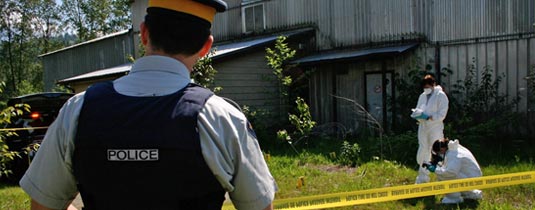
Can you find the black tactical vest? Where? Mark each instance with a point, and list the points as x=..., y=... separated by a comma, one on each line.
x=143, y=152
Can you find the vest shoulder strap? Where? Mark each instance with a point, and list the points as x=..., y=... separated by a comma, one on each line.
x=192, y=101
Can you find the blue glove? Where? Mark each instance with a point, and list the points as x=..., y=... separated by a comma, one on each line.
x=431, y=168
x=423, y=116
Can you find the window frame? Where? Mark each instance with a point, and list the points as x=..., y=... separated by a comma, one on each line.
x=252, y=4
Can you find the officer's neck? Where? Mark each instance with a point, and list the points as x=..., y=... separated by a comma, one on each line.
x=188, y=61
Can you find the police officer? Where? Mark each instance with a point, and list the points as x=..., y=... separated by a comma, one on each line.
x=152, y=140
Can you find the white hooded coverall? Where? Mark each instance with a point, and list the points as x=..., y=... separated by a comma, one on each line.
x=459, y=163
x=436, y=107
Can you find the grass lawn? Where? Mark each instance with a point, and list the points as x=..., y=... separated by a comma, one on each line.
x=13, y=198
x=321, y=176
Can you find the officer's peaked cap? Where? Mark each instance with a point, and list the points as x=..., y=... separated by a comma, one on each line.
x=204, y=9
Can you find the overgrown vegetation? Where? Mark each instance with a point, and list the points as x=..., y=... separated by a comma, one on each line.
x=301, y=121
x=480, y=113
x=204, y=73
x=276, y=58
x=6, y=155
x=531, y=103
x=531, y=87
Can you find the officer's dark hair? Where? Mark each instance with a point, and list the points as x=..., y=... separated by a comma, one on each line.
x=429, y=80
x=176, y=33
x=442, y=143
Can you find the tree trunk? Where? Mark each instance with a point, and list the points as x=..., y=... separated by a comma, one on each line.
x=21, y=56
x=10, y=57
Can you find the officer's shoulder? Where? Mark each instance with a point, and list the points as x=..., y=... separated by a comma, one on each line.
x=223, y=106
x=76, y=99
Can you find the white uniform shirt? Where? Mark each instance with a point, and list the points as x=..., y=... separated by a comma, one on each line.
x=230, y=150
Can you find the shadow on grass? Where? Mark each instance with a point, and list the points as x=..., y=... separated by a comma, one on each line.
x=467, y=204
x=430, y=202
x=6, y=184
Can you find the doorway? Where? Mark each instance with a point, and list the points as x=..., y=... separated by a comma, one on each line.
x=379, y=91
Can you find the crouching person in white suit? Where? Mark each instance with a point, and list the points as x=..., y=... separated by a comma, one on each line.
x=458, y=163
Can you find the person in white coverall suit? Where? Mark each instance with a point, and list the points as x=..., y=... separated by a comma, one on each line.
x=458, y=163
x=430, y=111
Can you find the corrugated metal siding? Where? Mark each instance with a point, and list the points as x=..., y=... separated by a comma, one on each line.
x=339, y=23
x=321, y=92
x=512, y=59
x=463, y=19
x=349, y=22
x=228, y=24
x=102, y=54
x=248, y=81
x=343, y=23
x=350, y=85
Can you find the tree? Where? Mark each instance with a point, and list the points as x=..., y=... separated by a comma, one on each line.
x=27, y=29
x=47, y=27
x=94, y=18
x=17, y=48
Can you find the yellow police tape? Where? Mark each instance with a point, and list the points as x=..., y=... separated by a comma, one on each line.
x=399, y=192
x=22, y=129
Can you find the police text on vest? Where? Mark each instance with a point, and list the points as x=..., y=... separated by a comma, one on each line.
x=132, y=154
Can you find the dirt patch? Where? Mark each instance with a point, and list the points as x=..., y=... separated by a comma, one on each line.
x=335, y=168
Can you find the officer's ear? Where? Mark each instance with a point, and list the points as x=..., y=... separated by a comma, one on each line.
x=206, y=47
x=144, y=34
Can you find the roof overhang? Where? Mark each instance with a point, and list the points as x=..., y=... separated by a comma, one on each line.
x=349, y=55
x=223, y=50
x=109, y=36
x=231, y=48
x=98, y=74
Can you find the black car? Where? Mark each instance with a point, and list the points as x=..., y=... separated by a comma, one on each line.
x=44, y=108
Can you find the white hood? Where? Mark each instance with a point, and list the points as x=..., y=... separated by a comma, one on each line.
x=453, y=145
x=438, y=88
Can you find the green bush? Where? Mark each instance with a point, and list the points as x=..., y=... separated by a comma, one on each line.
x=302, y=124
x=481, y=115
x=302, y=120
x=349, y=154
x=6, y=156
x=204, y=73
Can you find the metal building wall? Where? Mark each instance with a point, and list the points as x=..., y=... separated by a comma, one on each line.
x=339, y=23
x=248, y=80
x=228, y=25
x=511, y=59
x=464, y=19
x=87, y=57
x=344, y=23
